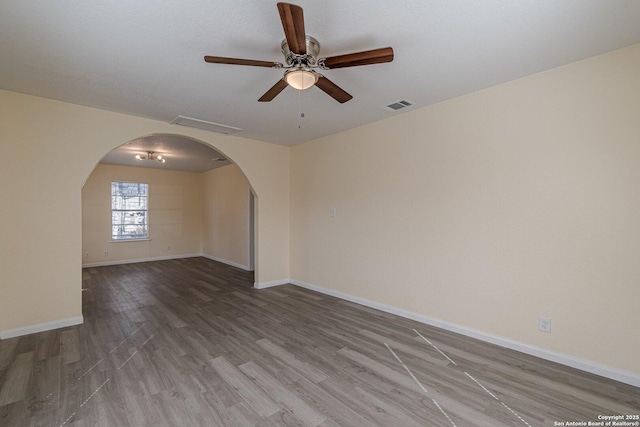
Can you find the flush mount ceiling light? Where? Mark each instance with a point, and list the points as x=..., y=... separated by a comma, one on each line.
x=301, y=79
x=151, y=156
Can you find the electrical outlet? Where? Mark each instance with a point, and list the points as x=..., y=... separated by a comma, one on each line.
x=86, y=254
x=106, y=253
x=333, y=212
x=168, y=247
x=544, y=324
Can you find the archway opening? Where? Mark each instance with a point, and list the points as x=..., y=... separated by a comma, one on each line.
x=197, y=202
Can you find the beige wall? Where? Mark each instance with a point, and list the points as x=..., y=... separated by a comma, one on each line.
x=189, y=214
x=175, y=214
x=225, y=216
x=47, y=151
x=490, y=210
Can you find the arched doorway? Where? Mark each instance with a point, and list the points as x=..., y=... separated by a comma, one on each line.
x=196, y=202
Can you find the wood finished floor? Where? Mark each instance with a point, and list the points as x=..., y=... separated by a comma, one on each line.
x=190, y=342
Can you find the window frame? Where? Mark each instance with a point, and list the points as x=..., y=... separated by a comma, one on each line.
x=122, y=237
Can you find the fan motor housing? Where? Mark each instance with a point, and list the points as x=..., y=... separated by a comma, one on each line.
x=310, y=59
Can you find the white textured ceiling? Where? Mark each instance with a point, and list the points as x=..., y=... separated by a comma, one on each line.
x=180, y=153
x=145, y=58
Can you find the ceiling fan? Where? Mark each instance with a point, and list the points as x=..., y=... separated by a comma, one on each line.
x=301, y=57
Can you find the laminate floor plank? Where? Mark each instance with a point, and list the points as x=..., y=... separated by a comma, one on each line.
x=15, y=414
x=250, y=299
x=257, y=398
x=16, y=380
x=206, y=285
x=48, y=346
x=7, y=352
x=403, y=416
x=240, y=415
x=356, y=373
x=345, y=391
x=191, y=342
x=283, y=395
x=405, y=349
x=392, y=375
x=69, y=346
x=304, y=368
x=320, y=399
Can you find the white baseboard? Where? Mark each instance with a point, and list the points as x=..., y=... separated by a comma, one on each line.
x=564, y=359
x=224, y=261
x=41, y=327
x=264, y=285
x=134, y=261
x=164, y=258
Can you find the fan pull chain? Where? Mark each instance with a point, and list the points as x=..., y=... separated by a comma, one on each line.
x=300, y=113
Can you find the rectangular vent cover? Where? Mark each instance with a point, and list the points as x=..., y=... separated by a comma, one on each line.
x=204, y=125
x=399, y=105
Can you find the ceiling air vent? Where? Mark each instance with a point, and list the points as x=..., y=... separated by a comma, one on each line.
x=399, y=105
x=205, y=125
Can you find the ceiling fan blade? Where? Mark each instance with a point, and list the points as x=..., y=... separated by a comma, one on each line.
x=375, y=56
x=333, y=90
x=237, y=61
x=293, y=24
x=274, y=91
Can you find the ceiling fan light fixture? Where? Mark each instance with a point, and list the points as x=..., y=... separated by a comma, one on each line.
x=301, y=79
x=301, y=58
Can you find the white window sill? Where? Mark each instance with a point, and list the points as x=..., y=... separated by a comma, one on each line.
x=129, y=240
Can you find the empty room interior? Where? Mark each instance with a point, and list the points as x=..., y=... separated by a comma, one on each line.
x=430, y=219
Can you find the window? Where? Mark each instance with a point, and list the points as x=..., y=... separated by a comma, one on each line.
x=129, y=210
